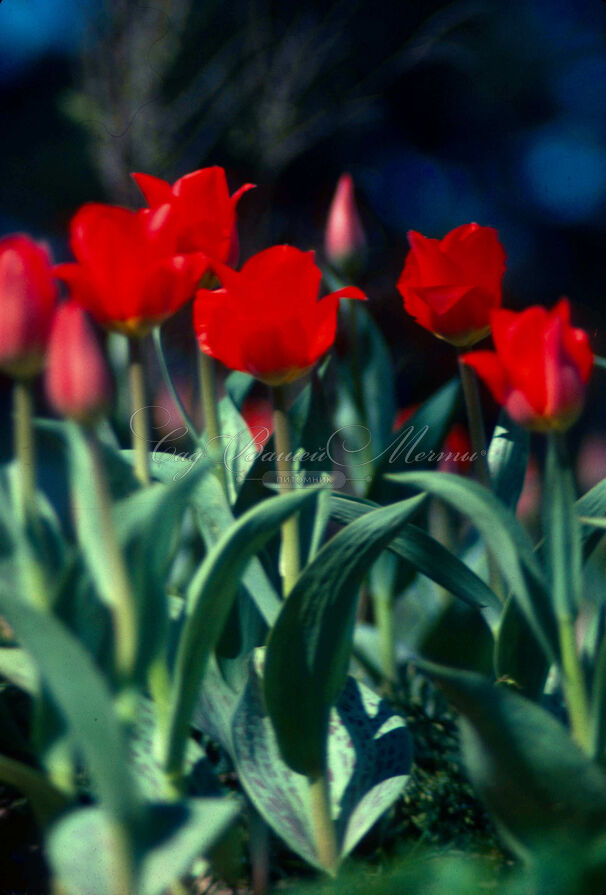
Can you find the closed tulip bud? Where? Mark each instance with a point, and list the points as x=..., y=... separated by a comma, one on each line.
x=344, y=239
x=78, y=384
x=28, y=296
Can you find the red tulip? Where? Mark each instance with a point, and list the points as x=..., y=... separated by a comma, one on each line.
x=128, y=274
x=267, y=320
x=202, y=210
x=451, y=286
x=344, y=238
x=28, y=296
x=540, y=367
x=78, y=383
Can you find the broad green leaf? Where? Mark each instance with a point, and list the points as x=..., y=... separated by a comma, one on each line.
x=309, y=647
x=83, y=854
x=508, y=454
x=508, y=542
x=459, y=638
x=209, y=600
x=17, y=667
x=417, y=442
x=425, y=554
x=215, y=517
x=369, y=759
x=82, y=696
x=518, y=658
x=538, y=785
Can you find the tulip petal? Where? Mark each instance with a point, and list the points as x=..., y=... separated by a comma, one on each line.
x=155, y=190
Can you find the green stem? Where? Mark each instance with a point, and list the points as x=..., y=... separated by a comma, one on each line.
x=124, y=607
x=207, y=372
x=187, y=420
x=139, y=421
x=384, y=620
x=475, y=420
x=324, y=828
x=573, y=683
x=23, y=434
x=289, y=558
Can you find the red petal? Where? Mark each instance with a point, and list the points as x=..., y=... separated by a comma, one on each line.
x=155, y=191
x=490, y=370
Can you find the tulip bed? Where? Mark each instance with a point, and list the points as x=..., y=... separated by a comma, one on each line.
x=236, y=649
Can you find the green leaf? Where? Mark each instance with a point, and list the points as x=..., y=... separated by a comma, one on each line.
x=209, y=600
x=309, y=647
x=591, y=506
x=215, y=517
x=420, y=437
x=508, y=541
x=47, y=801
x=425, y=554
x=526, y=768
x=459, y=638
x=82, y=696
x=519, y=659
x=17, y=667
x=83, y=855
x=507, y=460
x=369, y=757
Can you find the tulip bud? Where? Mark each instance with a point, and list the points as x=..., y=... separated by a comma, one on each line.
x=78, y=382
x=344, y=240
x=28, y=295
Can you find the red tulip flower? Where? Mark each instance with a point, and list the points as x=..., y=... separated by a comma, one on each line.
x=344, y=238
x=78, y=383
x=129, y=273
x=540, y=367
x=28, y=296
x=451, y=286
x=202, y=211
x=267, y=320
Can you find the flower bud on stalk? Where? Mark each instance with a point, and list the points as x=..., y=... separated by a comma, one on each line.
x=28, y=296
x=344, y=239
x=78, y=384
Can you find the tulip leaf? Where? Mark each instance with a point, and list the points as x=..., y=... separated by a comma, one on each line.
x=209, y=600
x=507, y=460
x=369, y=757
x=526, y=768
x=309, y=647
x=425, y=554
x=519, y=659
x=17, y=667
x=592, y=506
x=508, y=541
x=81, y=696
x=416, y=440
x=84, y=860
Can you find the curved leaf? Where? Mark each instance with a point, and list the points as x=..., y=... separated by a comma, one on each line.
x=309, y=647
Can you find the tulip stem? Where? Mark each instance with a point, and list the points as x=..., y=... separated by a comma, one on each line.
x=123, y=606
x=139, y=420
x=384, y=606
x=23, y=434
x=573, y=684
x=477, y=435
x=324, y=828
x=207, y=373
x=476, y=422
x=289, y=557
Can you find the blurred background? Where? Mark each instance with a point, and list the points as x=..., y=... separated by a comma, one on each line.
x=443, y=113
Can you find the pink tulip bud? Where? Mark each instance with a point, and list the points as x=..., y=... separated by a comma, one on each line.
x=78, y=382
x=28, y=296
x=344, y=238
